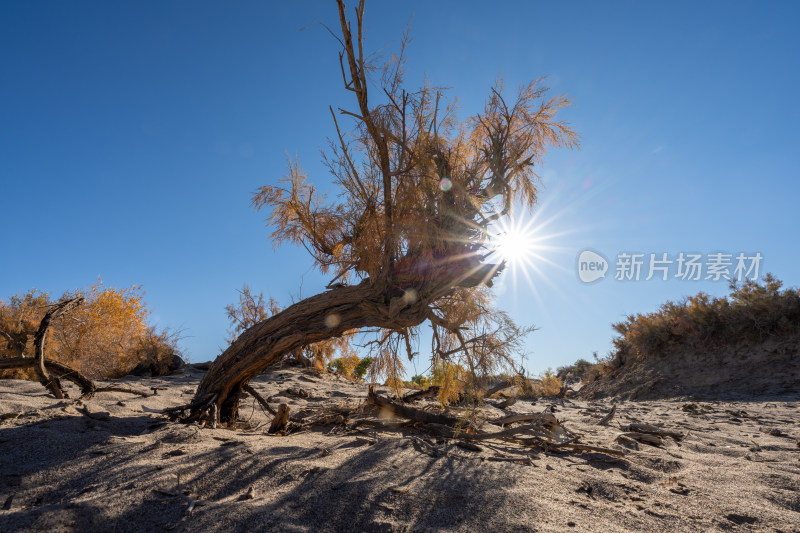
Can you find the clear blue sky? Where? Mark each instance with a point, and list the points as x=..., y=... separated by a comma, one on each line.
x=132, y=134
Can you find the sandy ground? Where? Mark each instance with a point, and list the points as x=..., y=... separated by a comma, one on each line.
x=738, y=469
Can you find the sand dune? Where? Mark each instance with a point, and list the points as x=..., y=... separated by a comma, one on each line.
x=113, y=463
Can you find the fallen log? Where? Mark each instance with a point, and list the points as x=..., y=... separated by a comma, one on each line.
x=547, y=417
x=417, y=395
x=411, y=413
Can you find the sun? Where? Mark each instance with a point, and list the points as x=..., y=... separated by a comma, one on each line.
x=515, y=243
x=526, y=246
x=514, y=246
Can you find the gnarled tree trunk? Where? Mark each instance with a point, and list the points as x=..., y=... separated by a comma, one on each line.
x=326, y=315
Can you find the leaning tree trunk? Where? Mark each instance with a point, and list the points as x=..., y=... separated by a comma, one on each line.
x=326, y=315
x=402, y=303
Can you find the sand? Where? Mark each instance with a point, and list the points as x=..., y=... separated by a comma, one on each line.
x=99, y=466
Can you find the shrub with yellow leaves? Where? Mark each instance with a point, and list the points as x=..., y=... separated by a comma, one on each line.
x=103, y=338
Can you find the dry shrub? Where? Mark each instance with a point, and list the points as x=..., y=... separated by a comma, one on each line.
x=451, y=378
x=103, y=338
x=345, y=365
x=396, y=384
x=585, y=371
x=549, y=385
x=158, y=350
x=750, y=314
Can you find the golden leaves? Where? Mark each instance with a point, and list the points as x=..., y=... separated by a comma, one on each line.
x=99, y=338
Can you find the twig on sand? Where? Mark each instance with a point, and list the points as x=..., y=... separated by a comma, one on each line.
x=528, y=459
x=653, y=430
x=179, y=493
x=260, y=399
x=606, y=419
x=120, y=389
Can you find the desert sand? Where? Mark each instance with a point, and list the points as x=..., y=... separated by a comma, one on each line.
x=112, y=463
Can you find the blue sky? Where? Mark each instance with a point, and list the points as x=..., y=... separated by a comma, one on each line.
x=131, y=137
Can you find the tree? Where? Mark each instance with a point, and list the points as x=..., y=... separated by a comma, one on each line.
x=406, y=240
x=250, y=310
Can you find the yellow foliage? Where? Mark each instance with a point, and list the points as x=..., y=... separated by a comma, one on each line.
x=550, y=384
x=451, y=378
x=103, y=338
x=396, y=385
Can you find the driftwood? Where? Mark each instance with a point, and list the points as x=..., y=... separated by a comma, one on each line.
x=653, y=430
x=606, y=419
x=544, y=431
x=417, y=395
x=126, y=390
x=411, y=413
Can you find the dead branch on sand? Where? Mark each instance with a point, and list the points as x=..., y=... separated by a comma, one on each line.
x=653, y=430
x=543, y=431
x=260, y=399
x=606, y=419
x=179, y=492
